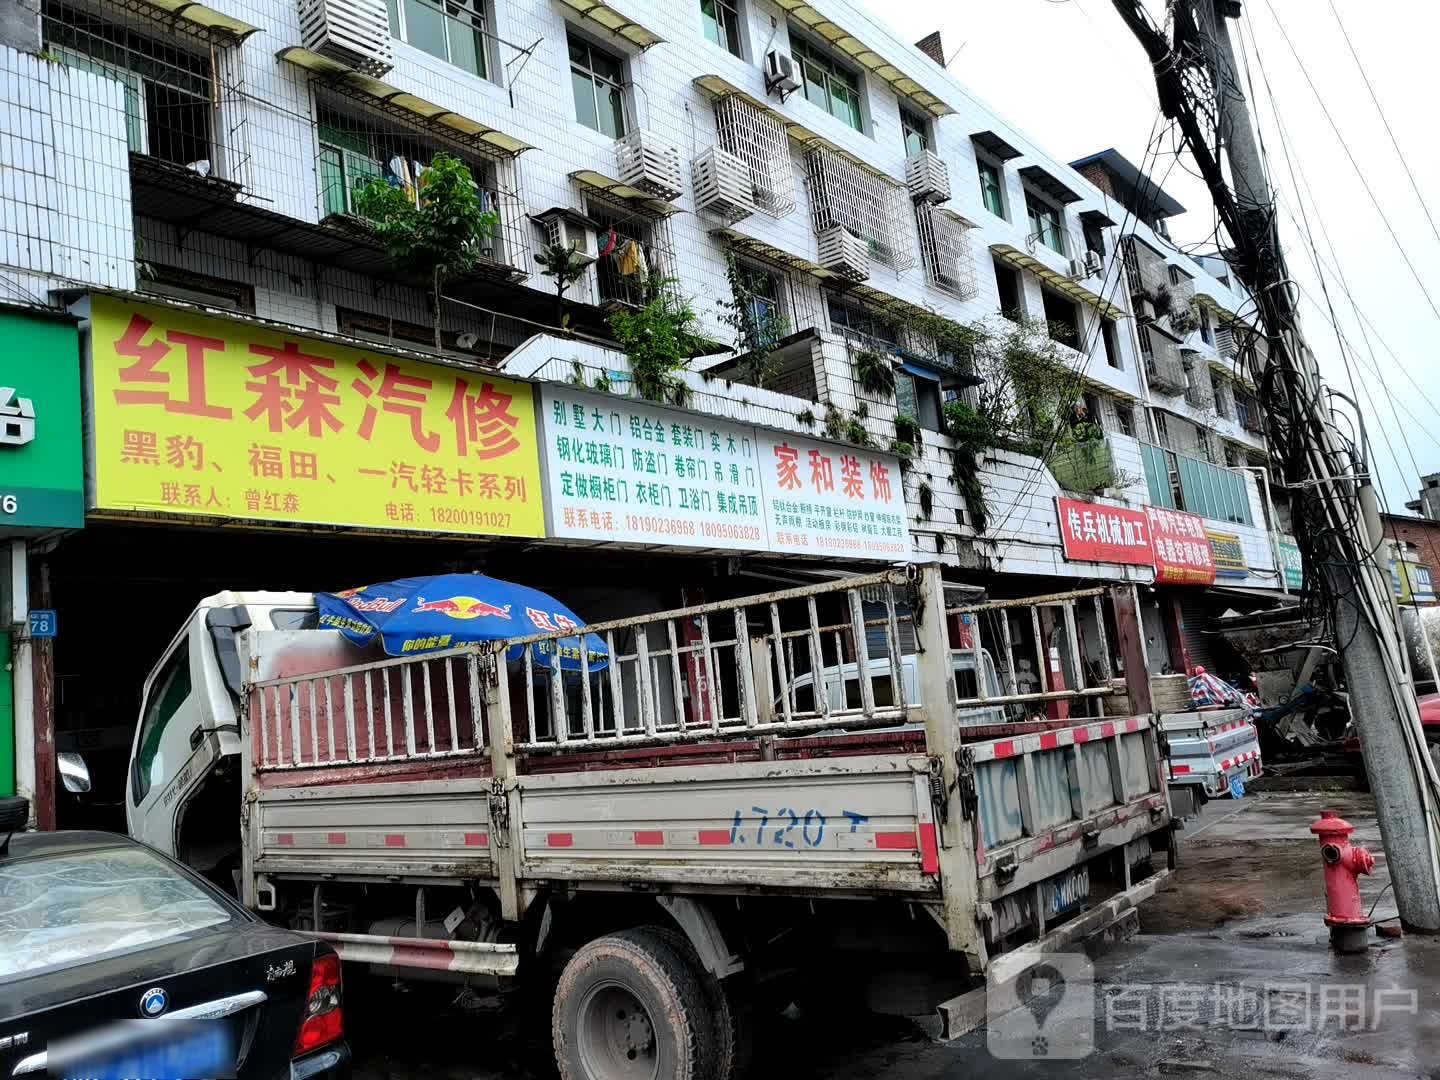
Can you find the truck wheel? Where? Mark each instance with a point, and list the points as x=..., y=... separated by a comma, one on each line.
x=14, y=812
x=733, y=1016
x=630, y=1007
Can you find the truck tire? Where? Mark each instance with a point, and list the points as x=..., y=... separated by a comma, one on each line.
x=733, y=1016
x=629, y=1006
x=14, y=812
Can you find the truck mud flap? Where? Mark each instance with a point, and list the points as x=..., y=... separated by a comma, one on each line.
x=963, y=1014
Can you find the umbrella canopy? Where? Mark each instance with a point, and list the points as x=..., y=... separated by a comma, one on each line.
x=418, y=615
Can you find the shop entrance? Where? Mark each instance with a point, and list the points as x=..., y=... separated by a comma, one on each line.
x=122, y=591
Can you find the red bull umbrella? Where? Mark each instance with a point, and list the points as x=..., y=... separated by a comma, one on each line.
x=431, y=614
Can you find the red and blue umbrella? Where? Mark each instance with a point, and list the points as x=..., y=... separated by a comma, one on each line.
x=414, y=616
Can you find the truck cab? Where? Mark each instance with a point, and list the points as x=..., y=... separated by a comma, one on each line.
x=183, y=785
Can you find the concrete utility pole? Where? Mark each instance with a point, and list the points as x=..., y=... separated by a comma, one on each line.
x=1363, y=616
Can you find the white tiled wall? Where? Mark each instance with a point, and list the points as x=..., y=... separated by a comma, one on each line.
x=67, y=129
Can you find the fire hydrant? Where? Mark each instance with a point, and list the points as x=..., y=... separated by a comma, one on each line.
x=1344, y=863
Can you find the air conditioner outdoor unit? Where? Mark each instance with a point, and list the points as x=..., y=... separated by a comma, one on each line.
x=845, y=253
x=1078, y=270
x=927, y=177
x=355, y=33
x=722, y=185
x=780, y=72
x=648, y=163
x=1094, y=263
x=567, y=232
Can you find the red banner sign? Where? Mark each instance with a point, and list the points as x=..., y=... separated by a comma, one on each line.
x=1182, y=549
x=1094, y=533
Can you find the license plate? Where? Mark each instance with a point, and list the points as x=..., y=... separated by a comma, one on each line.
x=1067, y=890
x=148, y=1049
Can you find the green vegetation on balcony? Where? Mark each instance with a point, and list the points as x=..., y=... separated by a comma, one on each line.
x=1087, y=466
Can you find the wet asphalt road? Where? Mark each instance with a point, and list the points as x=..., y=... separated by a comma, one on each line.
x=1231, y=976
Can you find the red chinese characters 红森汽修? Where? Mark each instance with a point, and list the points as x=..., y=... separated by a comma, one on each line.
x=293, y=388
x=483, y=419
x=400, y=394
x=156, y=383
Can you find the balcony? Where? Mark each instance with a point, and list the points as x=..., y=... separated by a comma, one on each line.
x=866, y=204
x=1180, y=482
x=1087, y=467
x=1145, y=266
x=1164, y=369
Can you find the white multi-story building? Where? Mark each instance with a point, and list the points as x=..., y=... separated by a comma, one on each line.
x=209, y=156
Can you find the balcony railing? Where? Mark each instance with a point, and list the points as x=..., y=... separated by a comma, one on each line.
x=1181, y=482
x=1146, y=267
x=871, y=208
x=1163, y=366
x=1087, y=467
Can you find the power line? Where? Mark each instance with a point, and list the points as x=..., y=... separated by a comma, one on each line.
x=1374, y=98
x=1365, y=183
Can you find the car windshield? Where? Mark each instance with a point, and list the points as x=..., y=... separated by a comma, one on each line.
x=80, y=906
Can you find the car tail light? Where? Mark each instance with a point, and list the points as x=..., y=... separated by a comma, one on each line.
x=323, y=1022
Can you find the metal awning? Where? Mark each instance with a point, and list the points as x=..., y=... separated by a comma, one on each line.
x=1113, y=391
x=1224, y=313
x=408, y=106
x=846, y=42
x=994, y=145
x=1050, y=184
x=203, y=20
x=633, y=197
x=1056, y=280
x=718, y=87
x=1098, y=218
x=617, y=23
x=769, y=253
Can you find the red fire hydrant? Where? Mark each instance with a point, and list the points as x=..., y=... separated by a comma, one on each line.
x=1344, y=863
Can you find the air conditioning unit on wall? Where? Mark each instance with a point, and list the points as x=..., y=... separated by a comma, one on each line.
x=566, y=231
x=722, y=185
x=927, y=177
x=355, y=33
x=845, y=253
x=780, y=72
x=649, y=164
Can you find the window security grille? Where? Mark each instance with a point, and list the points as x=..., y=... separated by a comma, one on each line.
x=868, y=206
x=1146, y=268
x=760, y=141
x=946, y=251
x=1163, y=366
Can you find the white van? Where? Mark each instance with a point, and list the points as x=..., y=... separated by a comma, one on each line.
x=842, y=684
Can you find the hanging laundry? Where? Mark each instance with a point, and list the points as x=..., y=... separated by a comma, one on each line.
x=629, y=260
x=609, y=245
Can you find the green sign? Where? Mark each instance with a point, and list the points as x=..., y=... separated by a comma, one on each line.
x=42, y=472
x=1291, y=564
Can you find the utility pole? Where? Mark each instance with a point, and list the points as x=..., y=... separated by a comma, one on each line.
x=1335, y=506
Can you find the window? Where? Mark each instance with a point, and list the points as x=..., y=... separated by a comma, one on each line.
x=1234, y=456
x=1094, y=237
x=1112, y=345
x=1125, y=417
x=1093, y=415
x=992, y=188
x=918, y=394
x=171, y=688
x=1007, y=284
x=80, y=907
x=916, y=131
x=622, y=276
x=1062, y=319
x=1222, y=399
x=1045, y=223
x=762, y=288
x=833, y=88
x=453, y=30
x=1207, y=331
x=721, y=19
x=597, y=81
x=861, y=324
x=213, y=292
x=167, y=90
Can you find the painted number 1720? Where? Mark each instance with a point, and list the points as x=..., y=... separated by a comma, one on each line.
x=786, y=827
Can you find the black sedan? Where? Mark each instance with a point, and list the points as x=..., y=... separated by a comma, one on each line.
x=116, y=961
